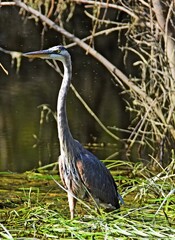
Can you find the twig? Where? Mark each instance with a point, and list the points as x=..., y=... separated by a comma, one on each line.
x=99, y=20
x=3, y=68
x=7, y=4
x=106, y=32
x=108, y=5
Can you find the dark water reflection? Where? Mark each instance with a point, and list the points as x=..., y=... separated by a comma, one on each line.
x=20, y=127
x=37, y=83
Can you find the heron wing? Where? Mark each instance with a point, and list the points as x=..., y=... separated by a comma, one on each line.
x=97, y=178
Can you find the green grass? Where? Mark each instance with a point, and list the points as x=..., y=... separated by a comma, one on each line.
x=32, y=206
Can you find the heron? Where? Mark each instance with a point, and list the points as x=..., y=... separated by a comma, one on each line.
x=81, y=172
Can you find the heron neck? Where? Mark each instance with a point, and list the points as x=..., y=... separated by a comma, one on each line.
x=64, y=133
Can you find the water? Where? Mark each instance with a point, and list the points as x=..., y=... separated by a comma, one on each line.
x=24, y=142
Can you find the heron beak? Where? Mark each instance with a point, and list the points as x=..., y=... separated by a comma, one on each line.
x=37, y=54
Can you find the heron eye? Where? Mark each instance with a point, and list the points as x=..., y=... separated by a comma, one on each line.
x=57, y=51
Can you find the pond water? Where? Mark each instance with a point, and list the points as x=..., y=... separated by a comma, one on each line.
x=25, y=143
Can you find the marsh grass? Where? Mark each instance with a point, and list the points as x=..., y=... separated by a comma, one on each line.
x=34, y=207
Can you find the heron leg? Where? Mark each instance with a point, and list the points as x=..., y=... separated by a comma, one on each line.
x=72, y=203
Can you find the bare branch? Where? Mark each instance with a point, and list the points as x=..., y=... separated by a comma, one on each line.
x=108, y=5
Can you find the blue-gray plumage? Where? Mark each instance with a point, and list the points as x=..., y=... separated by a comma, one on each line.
x=81, y=172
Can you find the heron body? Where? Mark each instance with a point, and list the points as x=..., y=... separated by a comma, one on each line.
x=81, y=172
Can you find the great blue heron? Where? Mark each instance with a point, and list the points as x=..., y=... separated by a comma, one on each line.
x=81, y=172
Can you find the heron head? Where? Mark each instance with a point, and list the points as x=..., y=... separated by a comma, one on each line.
x=56, y=53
